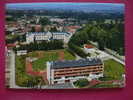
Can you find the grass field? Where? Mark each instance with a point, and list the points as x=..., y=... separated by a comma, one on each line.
x=68, y=56
x=40, y=64
x=105, y=85
x=10, y=36
x=52, y=55
x=113, y=70
x=22, y=78
x=32, y=54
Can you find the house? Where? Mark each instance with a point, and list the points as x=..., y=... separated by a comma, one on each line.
x=59, y=20
x=94, y=52
x=11, y=45
x=40, y=36
x=89, y=48
x=72, y=70
x=21, y=52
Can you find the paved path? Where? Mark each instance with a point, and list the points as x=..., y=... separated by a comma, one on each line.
x=77, y=57
x=118, y=60
x=12, y=70
x=113, y=57
x=59, y=86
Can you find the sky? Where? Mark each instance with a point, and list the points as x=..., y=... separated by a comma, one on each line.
x=74, y=6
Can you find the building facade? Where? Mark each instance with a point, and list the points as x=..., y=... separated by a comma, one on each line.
x=21, y=52
x=72, y=70
x=40, y=36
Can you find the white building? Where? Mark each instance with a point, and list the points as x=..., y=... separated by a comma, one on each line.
x=94, y=52
x=21, y=52
x=40, y=36
x=56, y=20
x=73, y=70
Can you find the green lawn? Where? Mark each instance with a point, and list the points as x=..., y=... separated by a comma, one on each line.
x=52, y=55
x=40, y=64
x=22, y=78
x=68, y=56
x=32, y=54
x=113, y=70
x=105, y=85
x=10, y=36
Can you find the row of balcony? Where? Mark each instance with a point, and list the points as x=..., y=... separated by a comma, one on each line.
x=78, y=68
x=80, y=73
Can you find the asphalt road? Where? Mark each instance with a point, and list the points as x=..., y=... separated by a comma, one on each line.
x=12, y=70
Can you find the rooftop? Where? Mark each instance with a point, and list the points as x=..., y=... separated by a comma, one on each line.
x=76, y=63
x=11, y=45
x=88, y=46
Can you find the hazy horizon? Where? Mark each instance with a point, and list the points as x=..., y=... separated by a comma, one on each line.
x=67, y=6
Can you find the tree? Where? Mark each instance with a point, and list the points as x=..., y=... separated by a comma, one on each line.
x=81, y=83
x=32, y=29
x=103, y=33
x=54, y=29
x=42, y=45
x=44, y=21
x=77, y=50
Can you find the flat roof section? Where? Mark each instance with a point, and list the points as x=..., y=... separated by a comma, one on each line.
x=76, y=63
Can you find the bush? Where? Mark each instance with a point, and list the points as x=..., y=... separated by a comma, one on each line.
x=105, y=78
x=77, y=50
x=70, y=51
x=81, y=83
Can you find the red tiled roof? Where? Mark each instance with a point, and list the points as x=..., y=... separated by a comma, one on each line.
x=89, y=46
x=73, y=27
x=11, y=45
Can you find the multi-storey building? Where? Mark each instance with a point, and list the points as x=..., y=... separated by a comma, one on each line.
x=40, y=36
x=72, y=70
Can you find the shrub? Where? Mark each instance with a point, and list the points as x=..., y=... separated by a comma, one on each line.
x=81, y=83
x=77, y=50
